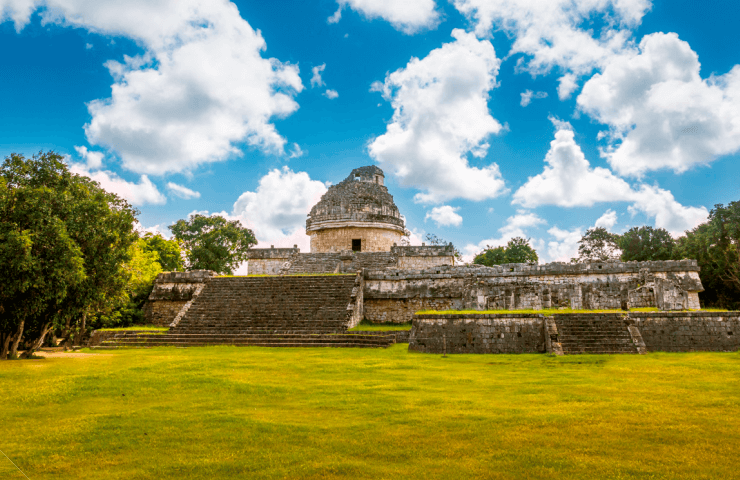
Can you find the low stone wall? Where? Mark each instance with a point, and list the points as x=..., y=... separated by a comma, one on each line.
x=507, y=333
x=689, y=331
x=401, y=336
x=402, y=310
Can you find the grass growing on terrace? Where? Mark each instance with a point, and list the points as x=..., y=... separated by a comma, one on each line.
x=259, y=413
x=366, y=326
x=148, y=328
x=544, y=311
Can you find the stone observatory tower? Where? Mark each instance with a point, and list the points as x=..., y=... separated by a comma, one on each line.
x=356, y=214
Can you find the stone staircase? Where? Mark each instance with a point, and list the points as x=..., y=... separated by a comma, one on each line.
x=594, y=333
x=288, y=311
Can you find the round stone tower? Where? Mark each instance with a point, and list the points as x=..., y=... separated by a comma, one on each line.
x=356, y=214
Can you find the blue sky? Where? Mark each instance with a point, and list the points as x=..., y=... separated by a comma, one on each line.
x=490, y=118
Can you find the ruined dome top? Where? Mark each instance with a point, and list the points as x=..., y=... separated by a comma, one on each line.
x=360, y=198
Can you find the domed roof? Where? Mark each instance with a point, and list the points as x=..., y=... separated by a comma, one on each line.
x=359, y=198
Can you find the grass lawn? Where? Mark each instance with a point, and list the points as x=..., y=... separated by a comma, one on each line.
x=380, y=327
x=227, y=412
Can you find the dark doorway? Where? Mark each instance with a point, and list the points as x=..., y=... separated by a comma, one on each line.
x=356, y=245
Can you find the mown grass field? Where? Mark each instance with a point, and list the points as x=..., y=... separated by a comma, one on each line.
x=226, y=412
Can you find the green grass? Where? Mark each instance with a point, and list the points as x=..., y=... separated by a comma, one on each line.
x=258, y=413
x=544, y=311
x=147, y=328
x=381, y=327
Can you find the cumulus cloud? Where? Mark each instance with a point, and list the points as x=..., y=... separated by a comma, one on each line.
x=182, y=192
x=441, y=115
x=607, y=220
x=93, y=160
x=331, y=94
x=201, y=88
x=569, y=181
x=316, y=80
x=564, y=245
x=407, y=16
x=528, y=95
x=558, y=32
x=515, y=226
x=661, y=113
x=142, y=193
x=445, y=216
x=276, y=211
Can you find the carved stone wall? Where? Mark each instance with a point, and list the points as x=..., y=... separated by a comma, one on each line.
x=373, y=239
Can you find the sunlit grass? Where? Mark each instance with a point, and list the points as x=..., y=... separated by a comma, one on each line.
x=228, y=412
x=381, y=327
x=148, y=328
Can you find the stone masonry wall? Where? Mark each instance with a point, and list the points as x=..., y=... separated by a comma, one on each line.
x=689, y=331
x=337, y=239
x=670, y=285
x=171, y=293
x=392, y=310
x=514, y=333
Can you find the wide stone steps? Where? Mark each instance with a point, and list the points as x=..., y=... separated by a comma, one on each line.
x=607, y=334
x=266, y=340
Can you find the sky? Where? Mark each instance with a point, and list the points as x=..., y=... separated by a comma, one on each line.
x=490, y=118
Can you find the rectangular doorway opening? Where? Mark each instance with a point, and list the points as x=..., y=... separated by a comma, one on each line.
x=356, y=245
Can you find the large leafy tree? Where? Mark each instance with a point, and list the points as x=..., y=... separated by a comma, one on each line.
x=598, y=245
x=517, y=250
x=96, y=226
x=168, y=251
x=716, y=247
x=213, y=243
x=645, y=244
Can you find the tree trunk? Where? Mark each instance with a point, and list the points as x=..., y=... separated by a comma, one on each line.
x=6, y=347
x=66, y=333
x=82, y=328
x=17, y=340
x=37, y=344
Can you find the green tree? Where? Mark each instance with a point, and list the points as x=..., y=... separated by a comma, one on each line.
x=213, y=243
x=97, y=224
x=169, y=251
x=716, y=247
x=644, y=244
x=598, y=245
x=517, y=250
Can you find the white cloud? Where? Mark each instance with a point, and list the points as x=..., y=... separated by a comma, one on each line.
x=295, y=151
x=277, y=210
x=156, y=230
x=331, y=94
x=568, y=179
x=558, y=32
x=528, y=95
x=142, y=193
x=316, y=80
x=567, y=84
x=565, y=244
x=607, y=220
x=445, y=216
x=515, y=226
x=201, y=88
x=408, y=16
x=441, y=115
x=661, y=113
x=182, y=192
x=94, y=160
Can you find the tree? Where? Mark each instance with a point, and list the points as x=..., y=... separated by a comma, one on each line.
x=646, y=244
x=169, y=251
x=213, y=243
x=517, y=250
x=716, y=247
x=92, y=228
x=598, y=245
x=432, y=239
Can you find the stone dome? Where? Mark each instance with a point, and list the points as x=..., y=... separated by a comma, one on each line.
x=356, y=211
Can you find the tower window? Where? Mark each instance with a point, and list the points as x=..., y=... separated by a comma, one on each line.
x=356, y=244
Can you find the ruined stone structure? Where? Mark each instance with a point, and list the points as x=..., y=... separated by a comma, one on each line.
x=357, y=214
x=634, y=332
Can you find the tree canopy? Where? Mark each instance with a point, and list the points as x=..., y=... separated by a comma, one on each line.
x=644, y=244
x=64, y=243
x=517, y=250
x=213, y=243
x=169, y=253
x=598, y=245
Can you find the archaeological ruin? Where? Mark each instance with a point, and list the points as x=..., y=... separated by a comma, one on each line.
x=359, y=269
